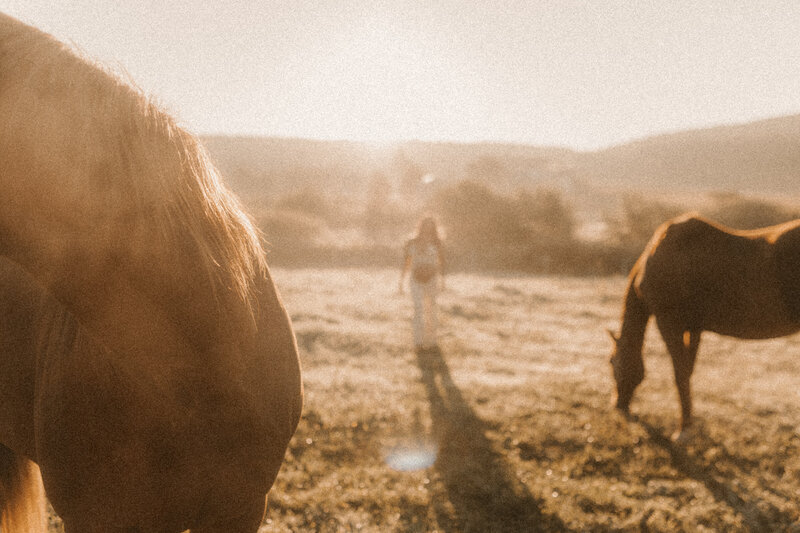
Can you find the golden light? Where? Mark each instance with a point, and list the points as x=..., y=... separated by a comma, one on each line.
x=388, y=82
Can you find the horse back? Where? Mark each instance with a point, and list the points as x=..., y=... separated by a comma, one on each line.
x=687, y=246
x=703, y=275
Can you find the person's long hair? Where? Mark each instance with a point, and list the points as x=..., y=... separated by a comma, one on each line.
x=428, y=231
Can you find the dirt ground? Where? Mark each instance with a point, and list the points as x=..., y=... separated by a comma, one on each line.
x=508, y=428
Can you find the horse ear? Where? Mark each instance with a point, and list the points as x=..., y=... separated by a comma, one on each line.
x=613, y=336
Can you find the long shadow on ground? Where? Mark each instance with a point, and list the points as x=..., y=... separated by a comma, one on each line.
x=485, y=496
x=757, y=515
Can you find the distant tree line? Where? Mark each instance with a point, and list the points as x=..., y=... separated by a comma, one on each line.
x=531, y=230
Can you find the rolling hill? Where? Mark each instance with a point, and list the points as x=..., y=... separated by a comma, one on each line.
x=761, y=157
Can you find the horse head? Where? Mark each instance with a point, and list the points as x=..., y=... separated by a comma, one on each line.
x=628, y=371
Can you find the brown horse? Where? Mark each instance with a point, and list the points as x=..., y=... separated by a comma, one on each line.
x=695, y=276
x=149, y=379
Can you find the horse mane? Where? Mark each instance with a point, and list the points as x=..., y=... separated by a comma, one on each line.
x=109, y=153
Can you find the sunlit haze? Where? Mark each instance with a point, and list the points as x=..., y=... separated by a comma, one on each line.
x=570, y=73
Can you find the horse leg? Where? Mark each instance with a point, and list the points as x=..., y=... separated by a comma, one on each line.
x=682, y=345
x=683, y=373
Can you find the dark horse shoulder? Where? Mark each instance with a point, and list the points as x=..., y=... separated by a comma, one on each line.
x=690, y=226
x=787, y=268
x=675, y=247
x=679, y=233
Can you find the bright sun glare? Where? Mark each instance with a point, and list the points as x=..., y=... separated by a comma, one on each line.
x=393, y=83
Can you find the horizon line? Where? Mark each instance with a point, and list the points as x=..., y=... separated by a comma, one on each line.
x=383, y=143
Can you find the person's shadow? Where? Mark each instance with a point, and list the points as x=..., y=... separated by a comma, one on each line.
x=484, y=494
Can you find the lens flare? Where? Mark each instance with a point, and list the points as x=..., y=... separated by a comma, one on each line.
x=413, y=455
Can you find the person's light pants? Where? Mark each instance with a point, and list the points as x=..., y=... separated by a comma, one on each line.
x=425, y=319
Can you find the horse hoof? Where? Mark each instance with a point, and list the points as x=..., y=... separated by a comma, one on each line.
x=682, y=437
x=624, y=414
x=624, y=410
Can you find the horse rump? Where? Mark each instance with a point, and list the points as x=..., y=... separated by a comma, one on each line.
x=22, y=500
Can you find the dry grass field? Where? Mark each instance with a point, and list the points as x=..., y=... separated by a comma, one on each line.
x=509, y=428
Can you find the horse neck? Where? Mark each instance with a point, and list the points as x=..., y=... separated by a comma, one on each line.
x=204, y=314
x=635, y=316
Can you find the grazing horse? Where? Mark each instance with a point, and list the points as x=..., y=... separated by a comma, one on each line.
x=694, y=276
x=149, y=378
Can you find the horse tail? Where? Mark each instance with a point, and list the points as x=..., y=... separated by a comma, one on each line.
x=22, y=499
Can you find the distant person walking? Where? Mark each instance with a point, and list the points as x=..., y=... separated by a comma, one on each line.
x=423, y=256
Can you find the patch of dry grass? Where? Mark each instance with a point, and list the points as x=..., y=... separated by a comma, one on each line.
x=517, y=404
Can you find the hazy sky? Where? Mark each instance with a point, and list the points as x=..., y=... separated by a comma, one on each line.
x=582, y=74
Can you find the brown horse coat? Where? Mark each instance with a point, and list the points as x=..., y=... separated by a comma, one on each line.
x=147, y=365
x=695, y=276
